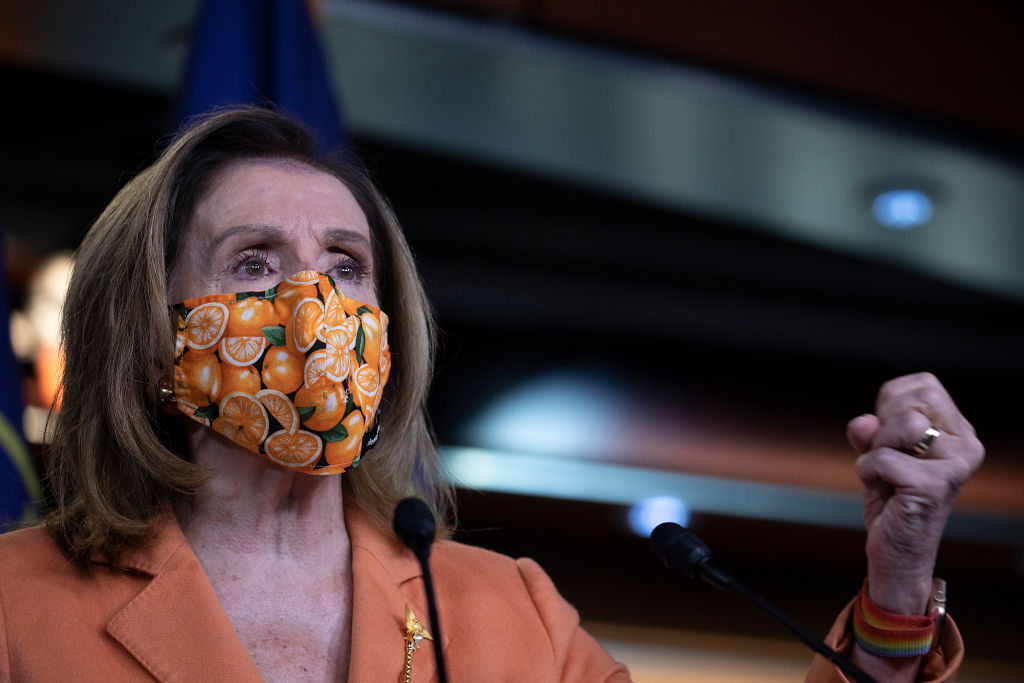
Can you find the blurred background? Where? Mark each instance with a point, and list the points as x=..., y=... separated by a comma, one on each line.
x=673, y=246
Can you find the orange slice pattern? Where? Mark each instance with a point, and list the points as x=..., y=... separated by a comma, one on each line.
x=340, y=343
x=189, y=409
x=366, y=390
x=247, y=362
x=306, y=322
x=316, y=368
x=304, y=277
x=242, y=350
x=280, y=408
x=294, y=450
x=205, y=325
x=243, y=420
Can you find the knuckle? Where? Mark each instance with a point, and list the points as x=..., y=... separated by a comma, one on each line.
x=886, y=392
x=916, y=422
x=932, y=395
x=976, y=453
x=967, y=431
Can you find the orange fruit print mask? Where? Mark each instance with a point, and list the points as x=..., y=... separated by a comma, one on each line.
x=294, y=373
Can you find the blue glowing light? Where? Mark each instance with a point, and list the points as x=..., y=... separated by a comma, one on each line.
x=902, y=209
x=650, y=512
x=563, y=413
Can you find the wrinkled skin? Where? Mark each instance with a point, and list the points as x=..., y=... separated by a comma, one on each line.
x=908, y=498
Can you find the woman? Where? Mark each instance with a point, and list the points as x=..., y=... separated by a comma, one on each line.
x=268, y=291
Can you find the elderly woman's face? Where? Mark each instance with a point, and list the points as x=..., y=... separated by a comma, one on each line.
x=264, y=220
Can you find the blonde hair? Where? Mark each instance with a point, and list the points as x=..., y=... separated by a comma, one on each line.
x=116, y=459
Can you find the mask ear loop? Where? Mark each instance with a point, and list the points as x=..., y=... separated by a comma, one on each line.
x=371, y=436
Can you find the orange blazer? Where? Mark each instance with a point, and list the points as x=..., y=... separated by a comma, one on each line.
x=159, y=618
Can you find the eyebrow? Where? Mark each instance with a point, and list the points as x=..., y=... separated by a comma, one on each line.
x=254, y=229
x=347, y=235
x=273, y=232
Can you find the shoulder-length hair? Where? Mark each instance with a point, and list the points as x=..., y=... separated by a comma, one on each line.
x=117, y=460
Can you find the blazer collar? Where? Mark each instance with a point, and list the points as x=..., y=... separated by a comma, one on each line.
x=175, y=627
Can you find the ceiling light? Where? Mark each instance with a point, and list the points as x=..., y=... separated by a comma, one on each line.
x=902, y=209
x=650, y=512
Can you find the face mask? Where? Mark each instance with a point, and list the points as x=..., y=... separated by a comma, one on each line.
x=294, y=373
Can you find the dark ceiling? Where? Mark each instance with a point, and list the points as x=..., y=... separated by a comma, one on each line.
x=950, y=67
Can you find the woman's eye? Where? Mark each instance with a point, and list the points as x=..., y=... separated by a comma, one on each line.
x=349, y=270
x=252, y=264
x=254, y=269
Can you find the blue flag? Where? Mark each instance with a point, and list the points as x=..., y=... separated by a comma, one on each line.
x=18, y=482
x=262, y=52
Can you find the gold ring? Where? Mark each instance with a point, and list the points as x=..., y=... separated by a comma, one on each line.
x=925, y=444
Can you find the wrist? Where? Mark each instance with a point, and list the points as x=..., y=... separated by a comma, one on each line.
x=899, y=595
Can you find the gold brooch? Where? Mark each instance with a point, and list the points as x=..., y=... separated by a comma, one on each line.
x=414, y=635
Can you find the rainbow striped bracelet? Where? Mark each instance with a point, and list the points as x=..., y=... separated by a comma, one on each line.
x=887, y=634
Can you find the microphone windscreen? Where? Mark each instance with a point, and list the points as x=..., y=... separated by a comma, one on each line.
x=414, y=524
x=679, y=549
x=662, y=538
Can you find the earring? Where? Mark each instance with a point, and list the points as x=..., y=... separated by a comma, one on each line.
x=166, y=394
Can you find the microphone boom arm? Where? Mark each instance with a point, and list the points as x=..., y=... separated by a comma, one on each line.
x=680, y=549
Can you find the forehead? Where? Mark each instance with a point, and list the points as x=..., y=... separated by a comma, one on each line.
x=283, y=194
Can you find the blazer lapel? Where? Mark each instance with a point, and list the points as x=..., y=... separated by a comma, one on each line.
x=386, y=578
x=176, y=627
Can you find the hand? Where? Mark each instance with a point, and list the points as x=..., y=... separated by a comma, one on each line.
x=908, y=498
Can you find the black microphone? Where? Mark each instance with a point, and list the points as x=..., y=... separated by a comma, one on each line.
x=679, y=549
x=415, y=526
